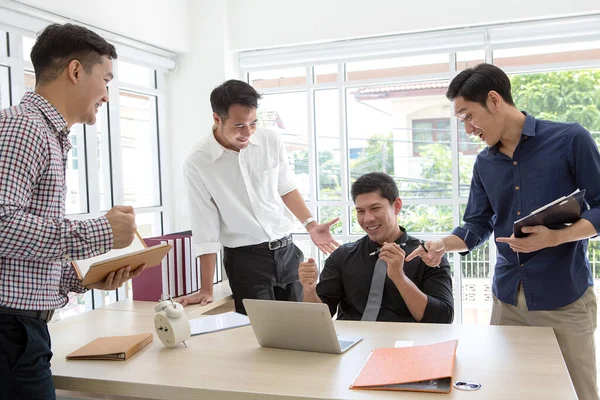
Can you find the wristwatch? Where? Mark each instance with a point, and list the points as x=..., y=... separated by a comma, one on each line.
x=308, y=221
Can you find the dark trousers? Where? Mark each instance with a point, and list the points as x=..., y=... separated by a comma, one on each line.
x=255, y=272
x=25, y=359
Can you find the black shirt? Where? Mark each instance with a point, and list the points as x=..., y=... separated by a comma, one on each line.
x=346, y=281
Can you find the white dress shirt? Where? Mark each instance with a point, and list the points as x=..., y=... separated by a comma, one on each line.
x=235, y=198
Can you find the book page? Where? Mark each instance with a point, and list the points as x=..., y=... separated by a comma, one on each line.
x=84, y=265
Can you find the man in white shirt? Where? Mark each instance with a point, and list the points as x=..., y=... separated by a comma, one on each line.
x=240, y=196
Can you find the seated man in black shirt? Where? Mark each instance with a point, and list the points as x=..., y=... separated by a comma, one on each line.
x=412, y=291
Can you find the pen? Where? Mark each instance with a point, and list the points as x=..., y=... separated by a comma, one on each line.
x=422, y=243
x=376, y=252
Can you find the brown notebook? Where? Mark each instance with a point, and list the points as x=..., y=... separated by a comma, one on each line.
x=420, y=368
x=97, y=268
x=118, y=348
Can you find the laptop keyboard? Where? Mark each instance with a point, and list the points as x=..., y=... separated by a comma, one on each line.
x=344, y=344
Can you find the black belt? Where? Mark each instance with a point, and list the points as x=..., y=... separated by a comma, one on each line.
x=276, y=244
x=45, y=315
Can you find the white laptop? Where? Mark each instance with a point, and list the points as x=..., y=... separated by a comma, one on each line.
x=295, y=326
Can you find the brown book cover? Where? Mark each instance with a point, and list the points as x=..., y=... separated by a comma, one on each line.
x=420, y=368
x=117, y=348
x=97, y=268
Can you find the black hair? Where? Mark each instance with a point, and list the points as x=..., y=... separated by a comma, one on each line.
x=57, y=45
x=474, y=84
x=375, y=182
x=233, y=92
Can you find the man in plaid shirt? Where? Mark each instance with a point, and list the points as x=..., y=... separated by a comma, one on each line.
x=37, y=243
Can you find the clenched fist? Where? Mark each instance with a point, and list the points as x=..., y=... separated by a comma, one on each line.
x=308, y=274
x=122, y=222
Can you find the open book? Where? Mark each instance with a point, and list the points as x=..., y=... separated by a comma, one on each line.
x=425, y=368
x=554, y=215
x=118, y=348
x=97, y=268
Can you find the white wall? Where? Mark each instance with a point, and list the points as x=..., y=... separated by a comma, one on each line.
x=161, y=23
x=271, y=23
x=208, y=64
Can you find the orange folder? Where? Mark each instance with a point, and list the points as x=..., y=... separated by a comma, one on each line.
x=119, y=348
x=420, y=368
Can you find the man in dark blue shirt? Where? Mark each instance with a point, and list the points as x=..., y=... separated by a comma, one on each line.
x=408, y=291
x=543, y=279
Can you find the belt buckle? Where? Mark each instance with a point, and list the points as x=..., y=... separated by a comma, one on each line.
x=274, y=244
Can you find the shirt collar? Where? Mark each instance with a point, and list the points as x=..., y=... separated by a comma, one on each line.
x=217, y=150
x=528, y=130
x=529, y=126
x=56, y=120
x=402, y=239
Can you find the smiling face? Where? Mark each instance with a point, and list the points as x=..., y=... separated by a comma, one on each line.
x=377, y=217
x=91, y=89
x=479, y=120
x=235, y=131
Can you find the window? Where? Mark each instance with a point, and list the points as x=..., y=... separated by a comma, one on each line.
x=402, y=130
x=29, y=79
x=278, y=78
x=381, y=112
x=76, y=193
x=115, y=161
x=397, y=67
x=429, y=131
x=5, y=92
x=327, y=127
x=136, y=75
x=286, y=113
x=139, y=147
x=3, y=43
x=28, y=43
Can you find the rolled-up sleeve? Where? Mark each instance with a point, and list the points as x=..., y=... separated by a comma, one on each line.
x=584, y=161
x=204, y=214
x=285, y=181
x=437, y=286
x=330, y=289
x=478, y=216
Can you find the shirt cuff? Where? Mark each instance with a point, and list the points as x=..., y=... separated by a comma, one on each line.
x=437, y=311
x=207, y=248
x=593, y=215
x=470, y=238
x=71, y=280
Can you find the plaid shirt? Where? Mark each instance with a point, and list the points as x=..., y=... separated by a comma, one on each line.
x=36, y=241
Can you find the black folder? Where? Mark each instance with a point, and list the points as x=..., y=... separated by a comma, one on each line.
x=555, y=215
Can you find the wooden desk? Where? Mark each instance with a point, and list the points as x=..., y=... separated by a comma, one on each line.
x=509, y=362
x=221, y=295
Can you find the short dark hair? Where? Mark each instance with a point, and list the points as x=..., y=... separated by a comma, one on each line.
x=474, y=84
x=375, y=182
x=57, y=45
x=233, y=92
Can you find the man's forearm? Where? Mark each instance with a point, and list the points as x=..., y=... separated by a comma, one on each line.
x=295, y=203
x=311, y=297
x=454, y=243
x=415, y=299
x=207, y=268
x=582, y=229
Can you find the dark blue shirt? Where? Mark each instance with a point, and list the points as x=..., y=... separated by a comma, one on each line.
x=551, y=160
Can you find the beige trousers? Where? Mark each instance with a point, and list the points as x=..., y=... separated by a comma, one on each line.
x=574, y=326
